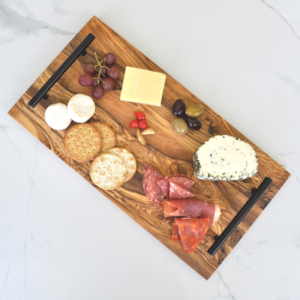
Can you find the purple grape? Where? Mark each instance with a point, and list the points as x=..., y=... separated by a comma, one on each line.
x=110, y=59
x=98, y=92
x=89, y=68
x=85, y=80
x=114, y=73
x=108, y=84
x=96, y=82
x=103, y=71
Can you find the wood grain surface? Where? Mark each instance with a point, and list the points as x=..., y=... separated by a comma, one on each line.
x=166, y=151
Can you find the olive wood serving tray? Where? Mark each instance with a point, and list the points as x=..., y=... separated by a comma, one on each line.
x=166, y=151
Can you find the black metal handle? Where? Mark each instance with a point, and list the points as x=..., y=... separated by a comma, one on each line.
x=61, y=70
x=239, y=217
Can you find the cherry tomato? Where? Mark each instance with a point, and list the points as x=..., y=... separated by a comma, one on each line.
x=134, y=124
x=143, y=124
x=139, y=115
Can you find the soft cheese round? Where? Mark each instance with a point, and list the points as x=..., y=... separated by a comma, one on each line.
x=81, y=108
x=225, y=157
x=56, y=116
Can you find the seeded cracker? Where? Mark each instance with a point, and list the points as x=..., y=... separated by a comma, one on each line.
x=108, y=171
x=109, y=139
x=82, y=142
x=128, y=159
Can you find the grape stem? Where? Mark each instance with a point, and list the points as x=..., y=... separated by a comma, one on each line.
x=98, y=62
x=101, y=67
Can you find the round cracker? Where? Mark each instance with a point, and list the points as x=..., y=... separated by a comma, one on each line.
x=128, y=159
x=82, y=142
x=109, y=138
x=108, y=171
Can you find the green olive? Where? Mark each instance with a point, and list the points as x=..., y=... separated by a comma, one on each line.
x=194, y=110
x=180, y=126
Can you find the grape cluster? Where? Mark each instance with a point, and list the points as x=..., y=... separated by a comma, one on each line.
x=101, y=75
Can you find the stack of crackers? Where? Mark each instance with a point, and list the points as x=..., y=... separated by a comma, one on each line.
x=112, y=166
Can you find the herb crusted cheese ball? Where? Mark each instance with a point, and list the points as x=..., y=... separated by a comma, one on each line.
x=225, y=157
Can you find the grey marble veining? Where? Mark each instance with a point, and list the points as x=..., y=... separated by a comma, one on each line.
x=281, y=17
x=60, y=239
x=17, y=20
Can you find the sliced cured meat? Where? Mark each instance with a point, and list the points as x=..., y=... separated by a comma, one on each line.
x=211, y=211
x=190, y=190
x=164, y=183
x=190, y=231
x=175, y=234
x=183, y=182
x=151, y=188
x=177, y=192
x=184, y=208
x=192, y=208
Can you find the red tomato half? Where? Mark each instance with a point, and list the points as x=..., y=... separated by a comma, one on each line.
x=139, y=115
x=134, y=124
x=143, y=124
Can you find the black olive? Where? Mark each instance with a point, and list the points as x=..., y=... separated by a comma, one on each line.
x=183, y=116
x=193, y=123
x=178, y=108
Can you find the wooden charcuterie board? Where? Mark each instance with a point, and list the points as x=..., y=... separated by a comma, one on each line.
x=166, y=151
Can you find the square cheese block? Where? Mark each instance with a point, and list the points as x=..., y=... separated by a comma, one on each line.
x=143, y=86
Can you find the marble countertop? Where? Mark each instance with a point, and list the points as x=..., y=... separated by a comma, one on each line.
x=61, y=239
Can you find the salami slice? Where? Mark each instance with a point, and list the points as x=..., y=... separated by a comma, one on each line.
x=164, y=183
x=151, y=188
x=190, y=231
x=192, y=208
x=183, y=182
x=175, y=234
x=177, y=192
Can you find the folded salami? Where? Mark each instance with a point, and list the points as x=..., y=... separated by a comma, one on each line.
x=176, y=186
x=190, y=232
x=192, y=208
x=151, y=188
x=182, y=181
x=178, y=192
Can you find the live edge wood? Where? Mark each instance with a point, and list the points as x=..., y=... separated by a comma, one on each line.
x=166, y=151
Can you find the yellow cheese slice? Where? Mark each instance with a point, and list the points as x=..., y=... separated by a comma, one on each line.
x=143, y=86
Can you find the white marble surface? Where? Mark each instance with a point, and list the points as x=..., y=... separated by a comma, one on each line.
x=60, y=239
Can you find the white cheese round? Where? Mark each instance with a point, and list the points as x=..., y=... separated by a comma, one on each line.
x=56, y=116
x=225, y=157
x=81, y=108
